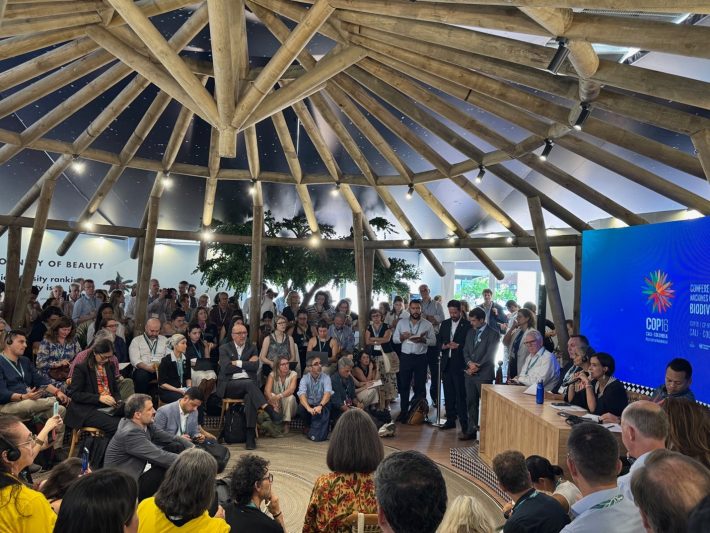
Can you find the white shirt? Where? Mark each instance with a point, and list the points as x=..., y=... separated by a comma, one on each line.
x=569, y=492
x=541, y=366
x=624, y=482
x=605, y=510
x=141, y=352
x=183, y=423
x=422, y=327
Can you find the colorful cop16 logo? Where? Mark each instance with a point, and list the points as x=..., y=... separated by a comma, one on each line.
x=658, y=291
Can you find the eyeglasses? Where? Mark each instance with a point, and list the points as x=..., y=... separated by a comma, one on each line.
x=529, y=342
x=30, y=440
x=315, y=363
x=270, y=478
x=239, y=333
x=111, y=325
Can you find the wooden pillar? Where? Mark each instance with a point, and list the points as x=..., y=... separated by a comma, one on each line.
x=701, y=141
x=553, y=290
x=12, y=271
x=360, y=275
x=577, y=288
x=139, y=241
x=369, y=274
x=257, y=263
x=148, y=246
x=202, y=252
x=33, y=249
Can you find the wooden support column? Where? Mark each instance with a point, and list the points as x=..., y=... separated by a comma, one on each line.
x=553, y=290
x=701, y=141
x=369, y=275
x=35, y=245
x=257, y=262
x=148, y=247
x=12, y=271
x=360, y=274
x=576, y=313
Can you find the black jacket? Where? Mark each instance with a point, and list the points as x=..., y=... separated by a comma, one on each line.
x=84, y=393
x=452, y=360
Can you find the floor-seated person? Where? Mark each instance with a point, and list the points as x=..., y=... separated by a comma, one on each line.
x=603, y=394
x=314, y=393
x=60, y=479
x=138, y=442
x=679, y=375
x=343, y=333
x=174, y=372
x=23, y=391
x=323, y=343
x=539, y=364
x=94, y=392
x=238, y=367
x=145, y=353
x=345, y=393
x=251, y=485
x=532, y=511
x=181, y=419
x=365, y=373
x=280, y=390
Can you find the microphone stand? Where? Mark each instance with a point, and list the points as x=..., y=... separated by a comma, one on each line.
x=438, y=423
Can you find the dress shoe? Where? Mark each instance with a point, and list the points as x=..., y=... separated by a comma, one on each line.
x=251, y=439
x=276, y=418
x=450, y=424
x=467, y=436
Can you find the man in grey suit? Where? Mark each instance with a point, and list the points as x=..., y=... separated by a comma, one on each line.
x=180, y=418
x=138, y=442
x=238, y=368
x=479, y=353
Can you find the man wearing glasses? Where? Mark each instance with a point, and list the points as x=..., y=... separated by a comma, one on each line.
x=539, y=364
x=252, y=485
x=314, y=394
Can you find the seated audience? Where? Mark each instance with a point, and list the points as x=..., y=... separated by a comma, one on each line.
x=56, y=352
x=176, y=324
x=23, y=509
x=378, y=344
x=238, y=366
x=547, y=478
x=413, y=478
x=138, y=442
x=94, y=387
x=689, y=429
x=125, y=385
x=539, y=364
x=210, y=333
x=293, y=306
x=174, y=372
x=60, y=478
x=465, y=515
x=280, y=390
x=301, y=333
x=365, y=373
x=251, y=485
x=181, y=419
x=579, y=352
x=117, y=299
x=354, y=452
x=221, y=314
x=593, y=462
x=665, y=505
x=699, y=518
x=105, y=312
x=351, y=317
x=644, y=428
x=145, y=353
x=277, y=344
x=199, y=353
x=39, y=329
x=101, y=296
x=22, y=388
x=345, y=393
x=120, y=348
x=322, y=342
x=320, y=311
x=603, y=394
x=103, y=501
x=184, y=498
x=343, y=333
x=33, y=309
x=85, y=307
x=265, y=328
x=163, y=306
x=532, y=511
x=679, y=375
x=314, y=392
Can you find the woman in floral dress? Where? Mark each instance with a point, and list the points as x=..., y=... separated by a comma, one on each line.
x=57, y=350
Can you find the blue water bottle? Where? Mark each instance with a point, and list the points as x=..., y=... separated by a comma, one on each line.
x=540, y=396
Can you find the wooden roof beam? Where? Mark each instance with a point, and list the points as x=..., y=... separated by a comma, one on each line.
x=213, y=162
x=701, y=141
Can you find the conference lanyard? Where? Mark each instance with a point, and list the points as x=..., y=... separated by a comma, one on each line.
x=153, y=347
x=608, y=503
x=20, y=371
x=412, y=331
x=531, y=363
x=521, y=502
x=323, y=347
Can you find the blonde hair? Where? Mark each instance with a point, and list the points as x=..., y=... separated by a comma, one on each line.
x=465, y=515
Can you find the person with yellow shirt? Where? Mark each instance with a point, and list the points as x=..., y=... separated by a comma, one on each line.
x=22, y=510
x=184, y=498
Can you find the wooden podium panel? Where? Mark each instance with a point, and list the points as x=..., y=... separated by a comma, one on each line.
x=511, y=420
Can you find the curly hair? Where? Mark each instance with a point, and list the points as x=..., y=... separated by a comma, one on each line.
x=249, y=470
x=52, y=334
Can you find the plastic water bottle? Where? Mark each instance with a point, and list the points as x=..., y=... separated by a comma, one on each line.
x=540, y=396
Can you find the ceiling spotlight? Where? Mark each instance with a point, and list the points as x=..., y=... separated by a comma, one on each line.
x=546, y=151
x=692, y=213
x=315, y=241
x=206, y=236
x=509, y=240
x=453, y=239
x=406, y=242
x=252, y=188
x=584, y=113
x=560, y=55
x=336, y=189
x=78, y=166
x=167, y=180
x=88, y=225
x=481, y=173
x=410, y=191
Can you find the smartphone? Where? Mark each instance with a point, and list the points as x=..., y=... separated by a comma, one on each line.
x=561, y=404
x=55, y=409
x=85, y=460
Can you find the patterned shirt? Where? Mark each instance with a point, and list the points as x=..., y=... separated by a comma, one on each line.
x=336, y=496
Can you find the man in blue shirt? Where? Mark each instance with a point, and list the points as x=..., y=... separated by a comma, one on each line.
x=314, y=392
x=678, y=379
x=85, y=307
x=343, y=334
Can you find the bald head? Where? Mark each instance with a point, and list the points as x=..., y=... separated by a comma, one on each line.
x=239, y=334
x=644, y=427
x=152, y=328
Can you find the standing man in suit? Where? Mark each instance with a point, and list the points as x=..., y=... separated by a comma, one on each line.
x=452, y=336
x=238, y=367
x=495, y=314
x=479, y=354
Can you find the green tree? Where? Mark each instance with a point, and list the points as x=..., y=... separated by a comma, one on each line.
x=304, y=269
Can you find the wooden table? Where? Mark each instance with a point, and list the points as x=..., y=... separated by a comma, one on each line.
x=511, y=420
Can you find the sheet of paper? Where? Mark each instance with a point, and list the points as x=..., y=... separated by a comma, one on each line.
x=531, y=390
x=374, y=384
x=121, y=366
x=568, y=407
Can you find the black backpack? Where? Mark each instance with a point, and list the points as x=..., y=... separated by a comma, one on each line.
x=235, y=425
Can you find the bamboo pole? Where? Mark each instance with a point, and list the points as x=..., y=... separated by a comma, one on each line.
x=257, y=263
x=27, y=199
x=12, y=272
x=3, y=6
x=39, y=226
x=225, y=77
x=359, y=256
x=252, y=143
x=148, y=251
x=53, y=9
x=553, y=289
x=23, y=44
x=576, y=313
x=37, y=25
x=701, y=141
x=290, y=48
x=369, y=276
x=211, y=185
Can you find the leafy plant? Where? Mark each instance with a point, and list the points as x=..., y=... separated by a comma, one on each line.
x=119, y=283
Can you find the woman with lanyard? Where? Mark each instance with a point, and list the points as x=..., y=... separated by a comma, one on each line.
x=174, y=373
x=221, y=314
x=324, y=344
x=198, y=353
x=377, y=341
x=277, y=344
x=301, y=334
x=514, y=338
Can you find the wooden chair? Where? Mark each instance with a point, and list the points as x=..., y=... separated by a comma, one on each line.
x=76, y=433
x=362, y=523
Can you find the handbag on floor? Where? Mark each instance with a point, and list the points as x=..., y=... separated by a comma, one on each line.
x=320, y=424
x=418, y=413
x=216, y=450
x=235, y=425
